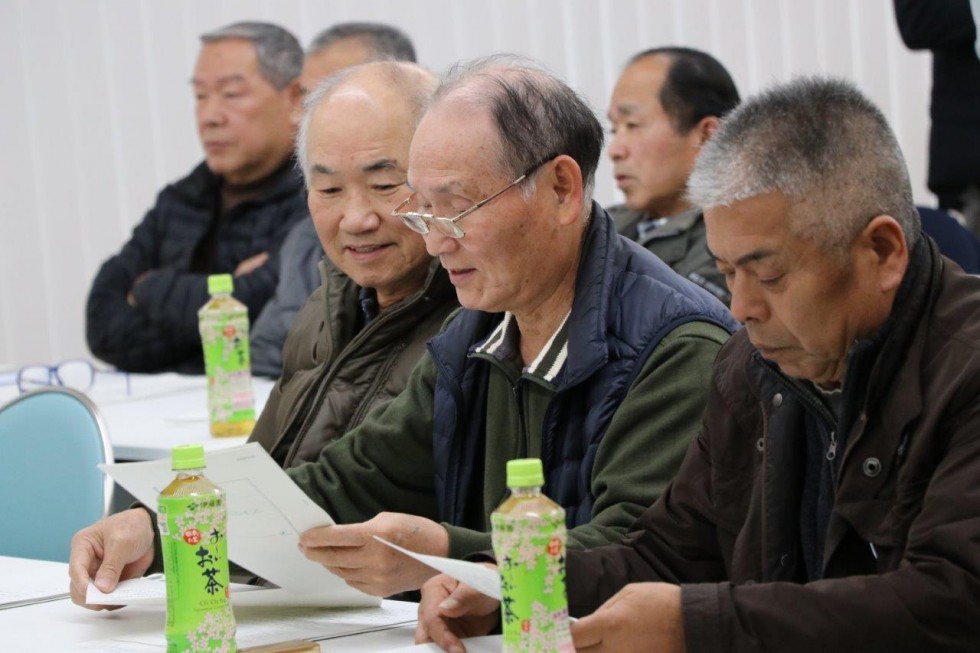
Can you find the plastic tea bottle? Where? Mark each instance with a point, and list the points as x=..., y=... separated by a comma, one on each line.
x=529, y=542
x=192, y=518
x=224, y=334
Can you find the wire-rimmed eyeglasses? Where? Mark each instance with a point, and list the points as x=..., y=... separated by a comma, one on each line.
x=419, y=222
x=78, y=374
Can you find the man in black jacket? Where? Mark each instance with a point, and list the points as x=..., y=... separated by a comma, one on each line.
x=229, y=215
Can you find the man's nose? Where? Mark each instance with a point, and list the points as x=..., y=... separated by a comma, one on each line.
x=617, y=149
x=360, y=214
x=438, y=243
x=210, y=112
x=747, y=304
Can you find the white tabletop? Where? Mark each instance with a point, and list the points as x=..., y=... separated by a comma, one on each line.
x=159, y=412
x=60, y=625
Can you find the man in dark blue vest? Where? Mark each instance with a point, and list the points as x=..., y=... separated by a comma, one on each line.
x=575, y=345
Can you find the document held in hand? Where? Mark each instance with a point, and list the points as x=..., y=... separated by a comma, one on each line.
x=266, y=514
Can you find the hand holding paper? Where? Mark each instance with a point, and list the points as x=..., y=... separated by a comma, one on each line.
x=352, y=552
x=266, y=514
x=483, y=579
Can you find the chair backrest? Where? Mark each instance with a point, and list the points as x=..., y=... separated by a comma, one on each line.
x=51, y=442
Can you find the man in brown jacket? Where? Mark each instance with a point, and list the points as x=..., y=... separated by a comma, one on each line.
x=831, y=501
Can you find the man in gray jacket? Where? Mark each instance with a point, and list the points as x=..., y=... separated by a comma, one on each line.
x=664, y=108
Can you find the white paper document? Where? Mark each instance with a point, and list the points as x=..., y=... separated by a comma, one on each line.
x=482, y=579
x=266, y=514
x=148, y=589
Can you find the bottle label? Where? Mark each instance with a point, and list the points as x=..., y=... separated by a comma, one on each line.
x=195, y=562
x=530, y=553
x=228, y=366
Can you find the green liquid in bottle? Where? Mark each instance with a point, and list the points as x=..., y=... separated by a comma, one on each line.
x=224, y=335
x=192, y=518
x=529, y=543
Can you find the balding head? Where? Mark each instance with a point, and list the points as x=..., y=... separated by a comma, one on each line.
x=536, y=115
x=392, y=93
x=353, y=146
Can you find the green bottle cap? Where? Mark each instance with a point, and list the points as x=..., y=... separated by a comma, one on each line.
x=187, y=456
x=219, y=283
x=524, y=472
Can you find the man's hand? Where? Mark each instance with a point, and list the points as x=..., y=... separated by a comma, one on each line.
x=352, y=553
x=251, y=264
x=450, y=610
x=640, y=617
x=131, y=295
x=117, y=548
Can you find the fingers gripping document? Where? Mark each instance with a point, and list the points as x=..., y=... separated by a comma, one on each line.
x=482, y=579
x=266, y=514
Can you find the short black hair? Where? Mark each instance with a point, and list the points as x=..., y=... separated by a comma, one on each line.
x=387, y=42
x=697, y=86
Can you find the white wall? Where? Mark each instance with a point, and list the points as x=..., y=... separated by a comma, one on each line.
x=96, y=111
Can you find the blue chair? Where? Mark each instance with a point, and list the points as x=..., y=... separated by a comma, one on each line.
x=51, y=441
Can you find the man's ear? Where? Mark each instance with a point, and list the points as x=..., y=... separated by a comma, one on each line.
x=707, y=128
x=295, y=95
x=886, y=248
x=566, y=184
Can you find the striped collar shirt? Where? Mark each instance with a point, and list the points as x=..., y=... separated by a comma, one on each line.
x=504, y=344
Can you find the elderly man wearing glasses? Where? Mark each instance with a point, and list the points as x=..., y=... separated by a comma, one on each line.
x=574, y=345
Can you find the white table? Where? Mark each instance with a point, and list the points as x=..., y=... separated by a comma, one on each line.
x=160, y=412
x=60, y=625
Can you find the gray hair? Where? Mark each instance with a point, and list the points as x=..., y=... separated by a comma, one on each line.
x=386, y=42
x=536, y=114
x=413, y=83
x=279, y=53
x=823, y=145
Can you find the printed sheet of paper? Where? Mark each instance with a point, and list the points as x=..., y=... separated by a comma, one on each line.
x=266, y=514
x=480, y=578
x=148, y=589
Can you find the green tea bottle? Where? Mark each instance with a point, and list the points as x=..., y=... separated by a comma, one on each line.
x=224, y=334
x=529, y=543
x=192, y=518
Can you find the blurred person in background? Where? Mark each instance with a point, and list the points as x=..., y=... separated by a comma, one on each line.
x=664, y=108
x=229, y=215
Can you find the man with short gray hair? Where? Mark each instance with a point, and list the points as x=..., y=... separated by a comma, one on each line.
x=830, y=501
x=229, y=215
x=347, y=44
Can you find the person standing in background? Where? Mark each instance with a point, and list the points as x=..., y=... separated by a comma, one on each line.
x=948, y=28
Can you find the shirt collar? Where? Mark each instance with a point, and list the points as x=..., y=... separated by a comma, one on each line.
x=504, y=342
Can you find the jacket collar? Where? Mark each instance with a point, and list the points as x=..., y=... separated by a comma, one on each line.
x=201, y=186
x=588, y=350
x=340, y=295
x=675, y=226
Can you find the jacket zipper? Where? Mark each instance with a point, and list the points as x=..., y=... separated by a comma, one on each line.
x=326, y=380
